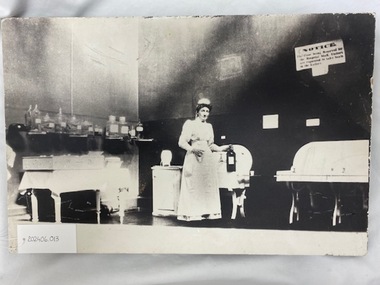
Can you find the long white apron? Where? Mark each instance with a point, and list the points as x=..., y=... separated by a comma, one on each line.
x=199, y=196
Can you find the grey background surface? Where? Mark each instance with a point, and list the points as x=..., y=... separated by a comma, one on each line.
x=193, y=269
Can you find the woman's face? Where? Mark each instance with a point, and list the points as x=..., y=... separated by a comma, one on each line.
x=203, y=114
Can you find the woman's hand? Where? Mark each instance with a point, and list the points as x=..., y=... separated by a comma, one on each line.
x=227, y=147
x=198, y=152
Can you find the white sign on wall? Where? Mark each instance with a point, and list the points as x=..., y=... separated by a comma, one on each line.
x=319, y=56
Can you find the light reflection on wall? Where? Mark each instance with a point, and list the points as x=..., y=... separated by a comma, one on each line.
x=180, y=58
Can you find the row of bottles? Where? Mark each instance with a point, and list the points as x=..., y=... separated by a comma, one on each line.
x=39, y=123
x=35, y=121
x=120, y=129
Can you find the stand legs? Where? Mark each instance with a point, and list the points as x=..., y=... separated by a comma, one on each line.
x=238, y=202
x=34, y=203
x=57, y=207
x=337, y=217
x=294, y=209
x=122, y=207
x=97, y=193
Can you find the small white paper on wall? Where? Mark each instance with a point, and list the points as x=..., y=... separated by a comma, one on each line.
x=270, y=121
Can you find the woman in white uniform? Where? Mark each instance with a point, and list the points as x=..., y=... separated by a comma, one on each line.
x=199, y=196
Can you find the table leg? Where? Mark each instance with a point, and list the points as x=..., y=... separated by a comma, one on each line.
x=34, y=202
x=294, y=209
x=122, y=194
x=97, y=193
x=57, y=207
x=311, y=197
x=234, y=205
x=364, y=198
x=335, y=212
x=337, y=215
x=297, y=209
x=291, y=214
x=241, y=204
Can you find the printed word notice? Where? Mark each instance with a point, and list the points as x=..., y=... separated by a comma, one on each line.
x=46, y=238
x=319, y=56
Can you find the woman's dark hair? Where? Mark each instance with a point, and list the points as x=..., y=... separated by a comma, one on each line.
x=200, y=106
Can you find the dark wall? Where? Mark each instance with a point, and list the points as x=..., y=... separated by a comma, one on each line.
x=180, y=59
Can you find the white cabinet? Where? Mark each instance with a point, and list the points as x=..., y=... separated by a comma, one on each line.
x=166, y=187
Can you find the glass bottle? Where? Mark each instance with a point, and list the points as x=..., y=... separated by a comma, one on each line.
x=123, y=127
x=73, y=126
x=47, y=124
x=87, y=128
x=36, y=119
x=132, y=132
x=60, y=122
x=98, y=130
x=231, y=160
x=28, y=118
x=139, y=130
x=112, y=127
x=79, y=127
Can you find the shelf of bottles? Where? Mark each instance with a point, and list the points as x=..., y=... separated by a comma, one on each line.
x=118, y=130
x=115, y=131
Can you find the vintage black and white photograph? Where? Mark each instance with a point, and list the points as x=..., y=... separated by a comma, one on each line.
x=224, y=134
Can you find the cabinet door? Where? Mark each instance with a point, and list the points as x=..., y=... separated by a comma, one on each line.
x=166, y=185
